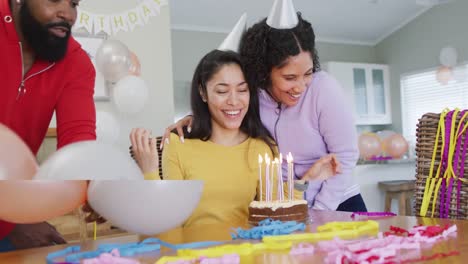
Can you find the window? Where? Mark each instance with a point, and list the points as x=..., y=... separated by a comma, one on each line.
x=422, y=93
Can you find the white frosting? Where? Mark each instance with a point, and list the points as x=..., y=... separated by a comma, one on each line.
x=276, y=204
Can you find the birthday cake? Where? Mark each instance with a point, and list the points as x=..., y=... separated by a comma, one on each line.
x=295, y=210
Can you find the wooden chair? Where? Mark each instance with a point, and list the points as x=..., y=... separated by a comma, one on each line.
x=73, y=228
x=158, y=144
x=402, y=191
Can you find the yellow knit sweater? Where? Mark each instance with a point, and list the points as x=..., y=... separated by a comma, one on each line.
x=230, y=176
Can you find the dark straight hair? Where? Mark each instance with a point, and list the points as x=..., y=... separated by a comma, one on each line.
x=208, y=66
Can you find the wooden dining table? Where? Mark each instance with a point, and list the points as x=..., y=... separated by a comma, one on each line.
x=222, y=232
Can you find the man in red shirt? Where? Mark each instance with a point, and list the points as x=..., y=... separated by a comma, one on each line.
x=42, y=70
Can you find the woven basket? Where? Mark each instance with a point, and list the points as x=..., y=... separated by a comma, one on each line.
x=426, y=135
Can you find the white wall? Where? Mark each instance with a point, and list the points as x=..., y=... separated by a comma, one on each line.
x=188, y=47
x=152, y=44
x=417, y=46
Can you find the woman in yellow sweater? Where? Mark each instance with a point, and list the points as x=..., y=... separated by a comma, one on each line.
x=223, y=147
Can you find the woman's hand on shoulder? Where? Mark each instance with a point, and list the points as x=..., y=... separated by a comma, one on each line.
x=178, y=126
x=144, y=150
x=326, y=167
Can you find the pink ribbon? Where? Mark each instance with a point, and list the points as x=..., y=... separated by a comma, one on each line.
x=226, y=259
x=302, y=249
x=386, y=248
x=372, y=214
x=110, y=258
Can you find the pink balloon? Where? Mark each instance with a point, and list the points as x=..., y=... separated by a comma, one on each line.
x=32, y=201
x=444, y=75
x=396, y=146
x=135, y=68
x=369, y=145
x=16, y=160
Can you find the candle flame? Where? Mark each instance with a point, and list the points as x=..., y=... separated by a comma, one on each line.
x=267, y=159
x=281, y=159
x=260, y=160
x=289, y=157
x=276, y=161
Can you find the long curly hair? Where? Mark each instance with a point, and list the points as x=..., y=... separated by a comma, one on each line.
x=263, y=48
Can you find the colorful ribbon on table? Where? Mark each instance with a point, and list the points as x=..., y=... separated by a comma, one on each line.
x=372, y=214
x=344, y=230
x=292, y=242
x=268, y=227
x=451, y=165
x=73, y=255
x=110, y=258
x=302, y=249
x=398, y=245
x=387, y=246
x=226, y=259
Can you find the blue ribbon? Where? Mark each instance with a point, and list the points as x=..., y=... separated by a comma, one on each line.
x=51, y=256
x=268, y=227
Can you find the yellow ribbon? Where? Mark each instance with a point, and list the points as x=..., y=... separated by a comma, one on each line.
x=449, y=157
x=343, y=230
x=433, y=183
x=95, y=230
x=243, y=250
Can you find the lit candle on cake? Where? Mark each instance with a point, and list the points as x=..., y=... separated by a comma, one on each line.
x=267, y=177
x=272, y=179
x=275, y=169
x=279, y=181
x=260, y=161
x=280, y=176
x=289, y=159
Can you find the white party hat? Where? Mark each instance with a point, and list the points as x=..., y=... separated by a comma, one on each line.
x=232, y=41
x=282, y=15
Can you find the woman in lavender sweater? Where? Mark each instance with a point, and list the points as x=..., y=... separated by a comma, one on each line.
x=303, y=108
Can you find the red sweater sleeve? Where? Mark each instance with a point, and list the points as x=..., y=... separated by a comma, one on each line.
x=5, y=228
x=75, y=110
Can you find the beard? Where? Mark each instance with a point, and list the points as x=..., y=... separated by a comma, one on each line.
x=45, y=45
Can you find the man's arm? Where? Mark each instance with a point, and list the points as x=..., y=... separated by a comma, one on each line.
x=75, y=109
x=5, y=228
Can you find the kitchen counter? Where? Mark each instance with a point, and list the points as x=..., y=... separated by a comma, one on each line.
x=369, y=175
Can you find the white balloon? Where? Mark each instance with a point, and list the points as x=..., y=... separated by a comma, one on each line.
x=107, y=127
x=89, y=160
x=448, y=56
x=461, y=75
x=130, y=94
x=145, y=207
x=113, y=60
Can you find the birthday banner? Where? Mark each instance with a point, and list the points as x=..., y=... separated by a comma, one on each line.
x=126, y=21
